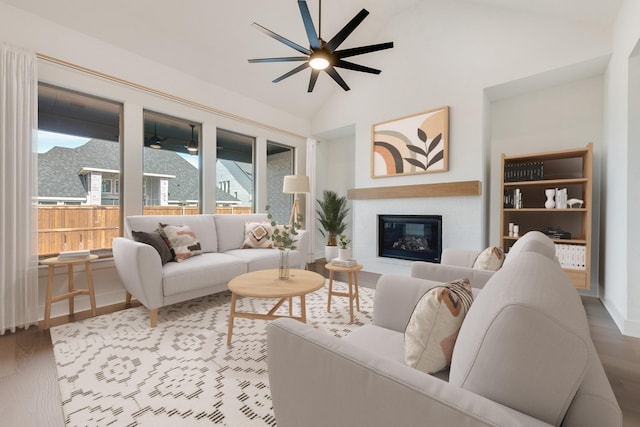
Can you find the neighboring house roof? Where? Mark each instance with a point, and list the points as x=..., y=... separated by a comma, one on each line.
x=59, y=170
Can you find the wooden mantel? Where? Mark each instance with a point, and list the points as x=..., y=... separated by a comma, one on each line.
x=445, y=189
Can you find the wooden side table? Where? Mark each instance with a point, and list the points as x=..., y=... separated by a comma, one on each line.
x=72, y=292
x=352, y=274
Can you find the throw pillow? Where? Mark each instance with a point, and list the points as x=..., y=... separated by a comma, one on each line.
x=257, y=235
x=434, y=324
x=490, y=259
x=155, y=240
x=181, y=239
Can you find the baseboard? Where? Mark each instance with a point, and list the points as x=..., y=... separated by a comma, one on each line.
x=627, y=327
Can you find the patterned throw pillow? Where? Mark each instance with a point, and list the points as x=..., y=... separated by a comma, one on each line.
x=257, y=235
x=155, y=240
x=490, y=259
x=181, y=239
x=434, y=324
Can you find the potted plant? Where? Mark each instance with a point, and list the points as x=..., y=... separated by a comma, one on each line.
x=344, y=250
x=332, y=211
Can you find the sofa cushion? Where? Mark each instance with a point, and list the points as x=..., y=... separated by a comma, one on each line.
x=204, y=271
x=183, y=242
x=230, y=229
x=155, y=240
x=524, y=341
x=489, y=259
x=263, y=259
x=383, y=342
x=202, y=225
x=257, y=235
x=434, y=324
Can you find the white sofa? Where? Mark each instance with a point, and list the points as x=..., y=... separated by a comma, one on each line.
x=221, y=238
x=523, y=357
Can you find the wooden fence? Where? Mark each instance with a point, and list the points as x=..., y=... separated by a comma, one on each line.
x=68, y=228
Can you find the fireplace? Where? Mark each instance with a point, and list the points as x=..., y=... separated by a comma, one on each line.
x=410, y=237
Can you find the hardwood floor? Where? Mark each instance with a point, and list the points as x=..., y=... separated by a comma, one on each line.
x=29, y=394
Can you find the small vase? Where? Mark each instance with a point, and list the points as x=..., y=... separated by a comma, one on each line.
x=344, y=254
x=550, y=193
x=283, y=269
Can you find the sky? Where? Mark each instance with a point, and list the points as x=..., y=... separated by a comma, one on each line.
x=48, y=140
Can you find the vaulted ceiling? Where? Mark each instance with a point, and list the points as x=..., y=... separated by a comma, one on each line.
x=212, y=40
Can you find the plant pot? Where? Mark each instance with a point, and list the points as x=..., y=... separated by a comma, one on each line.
x=344, y=254
x=330, y=252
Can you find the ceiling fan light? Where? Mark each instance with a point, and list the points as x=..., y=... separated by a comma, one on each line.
x=193, y=145
x=155, y=145
x=318, y=61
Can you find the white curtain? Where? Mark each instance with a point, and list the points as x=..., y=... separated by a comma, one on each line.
x=18, y=189
x=310, y=205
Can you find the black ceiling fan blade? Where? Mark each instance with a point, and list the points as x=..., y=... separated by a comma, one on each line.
x=282, y=39
x=282, y=59
x=345, y=53
x=356, y=67
x=335, y=76
x=346, y=30
x=313, y=79
x=292, y=72
x=312, y=35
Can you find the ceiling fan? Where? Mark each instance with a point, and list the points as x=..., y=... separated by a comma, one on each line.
x=321, y=55
x=155, y=140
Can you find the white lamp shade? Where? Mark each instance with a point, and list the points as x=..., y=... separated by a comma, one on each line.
x=295, y=184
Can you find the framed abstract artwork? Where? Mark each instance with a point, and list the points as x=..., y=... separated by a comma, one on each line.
x=411, y=145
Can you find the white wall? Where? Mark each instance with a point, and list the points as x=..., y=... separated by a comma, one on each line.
x=335, y=172
x=559, y=117
x=620, y=250
x=448, y=53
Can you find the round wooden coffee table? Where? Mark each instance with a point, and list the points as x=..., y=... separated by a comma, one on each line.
x=265, y=284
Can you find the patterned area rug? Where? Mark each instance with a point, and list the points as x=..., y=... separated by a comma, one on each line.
x=115, y=370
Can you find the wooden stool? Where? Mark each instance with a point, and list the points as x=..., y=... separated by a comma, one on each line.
x=72, y=292
x=352, y=274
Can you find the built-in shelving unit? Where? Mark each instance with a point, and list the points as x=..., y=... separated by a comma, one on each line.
x=529, y=176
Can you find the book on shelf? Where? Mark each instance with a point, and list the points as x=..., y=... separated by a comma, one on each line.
x=571, y=256
x=351, y=262
x=82, y=253
x=512, y=198
x=526, y=171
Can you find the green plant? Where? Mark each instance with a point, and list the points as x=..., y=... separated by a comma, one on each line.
x=284, y=236
x=332, y=211
x=343, y=241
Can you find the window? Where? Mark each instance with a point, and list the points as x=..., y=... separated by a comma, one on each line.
x=235, y=172
x=106, y=185
x=279, y=164
x=171, y=172
x=78, y=161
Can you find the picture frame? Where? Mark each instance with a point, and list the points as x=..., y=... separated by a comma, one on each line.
x=409, y=145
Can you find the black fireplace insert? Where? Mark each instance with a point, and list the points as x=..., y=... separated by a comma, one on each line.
x=410, y=237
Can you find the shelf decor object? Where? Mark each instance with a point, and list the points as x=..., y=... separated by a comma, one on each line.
x=566, y=176
x=411, y=145
x=550, y=193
